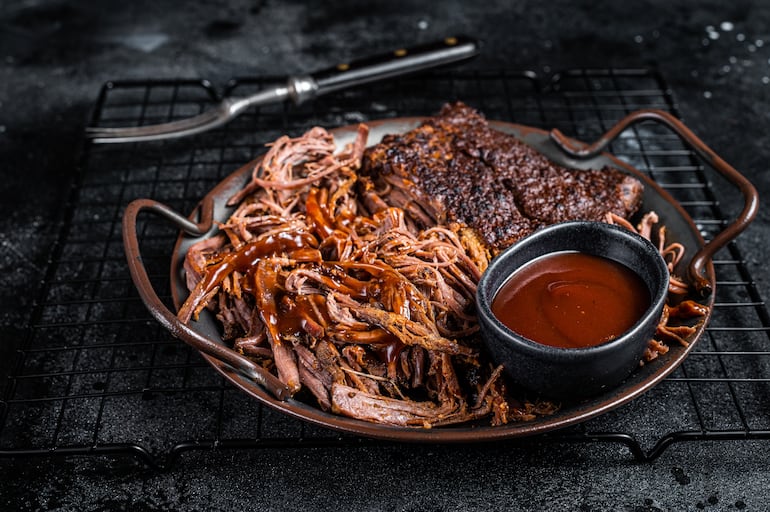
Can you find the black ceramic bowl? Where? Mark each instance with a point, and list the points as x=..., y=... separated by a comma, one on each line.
x=570, y=374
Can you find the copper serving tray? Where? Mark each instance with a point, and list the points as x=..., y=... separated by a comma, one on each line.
x=204, y=335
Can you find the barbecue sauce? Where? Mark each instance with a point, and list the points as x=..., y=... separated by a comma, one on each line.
x=302, y=314
x=246, y=258
x=571, y=300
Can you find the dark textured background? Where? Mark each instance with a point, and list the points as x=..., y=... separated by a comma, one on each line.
x=54, y=56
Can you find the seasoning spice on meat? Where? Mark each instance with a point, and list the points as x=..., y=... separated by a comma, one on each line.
x=356, y=286
x=456, y=168
x=375, y=319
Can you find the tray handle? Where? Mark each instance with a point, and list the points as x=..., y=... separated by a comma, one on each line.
x=750, y=196
x=159, y=310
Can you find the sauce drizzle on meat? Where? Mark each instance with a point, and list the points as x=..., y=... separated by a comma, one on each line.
x=358, y=292
x=341, y=301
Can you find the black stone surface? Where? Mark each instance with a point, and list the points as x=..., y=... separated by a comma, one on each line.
x=54, y=56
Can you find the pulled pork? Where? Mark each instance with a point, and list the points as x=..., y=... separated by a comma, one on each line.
x=359, y=298
x=370, y=315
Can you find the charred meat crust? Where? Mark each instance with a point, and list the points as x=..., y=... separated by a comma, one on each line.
x=457, y=168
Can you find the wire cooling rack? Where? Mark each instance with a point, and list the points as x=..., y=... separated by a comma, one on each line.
x=95, y=374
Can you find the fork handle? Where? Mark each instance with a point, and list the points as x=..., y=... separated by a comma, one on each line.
x=301, y=88
x=342, y=76
x=380, y=67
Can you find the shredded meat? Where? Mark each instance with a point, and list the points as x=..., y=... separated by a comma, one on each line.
x=671, y=327
x=363, y=311
x=358, y=293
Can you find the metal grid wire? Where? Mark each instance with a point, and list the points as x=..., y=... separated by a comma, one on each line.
x=97, y=375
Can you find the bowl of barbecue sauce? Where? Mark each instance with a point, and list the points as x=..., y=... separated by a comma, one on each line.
x=569, y=310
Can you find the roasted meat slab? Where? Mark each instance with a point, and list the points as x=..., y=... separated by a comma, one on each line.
x=455, y=168
x=356, y=286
